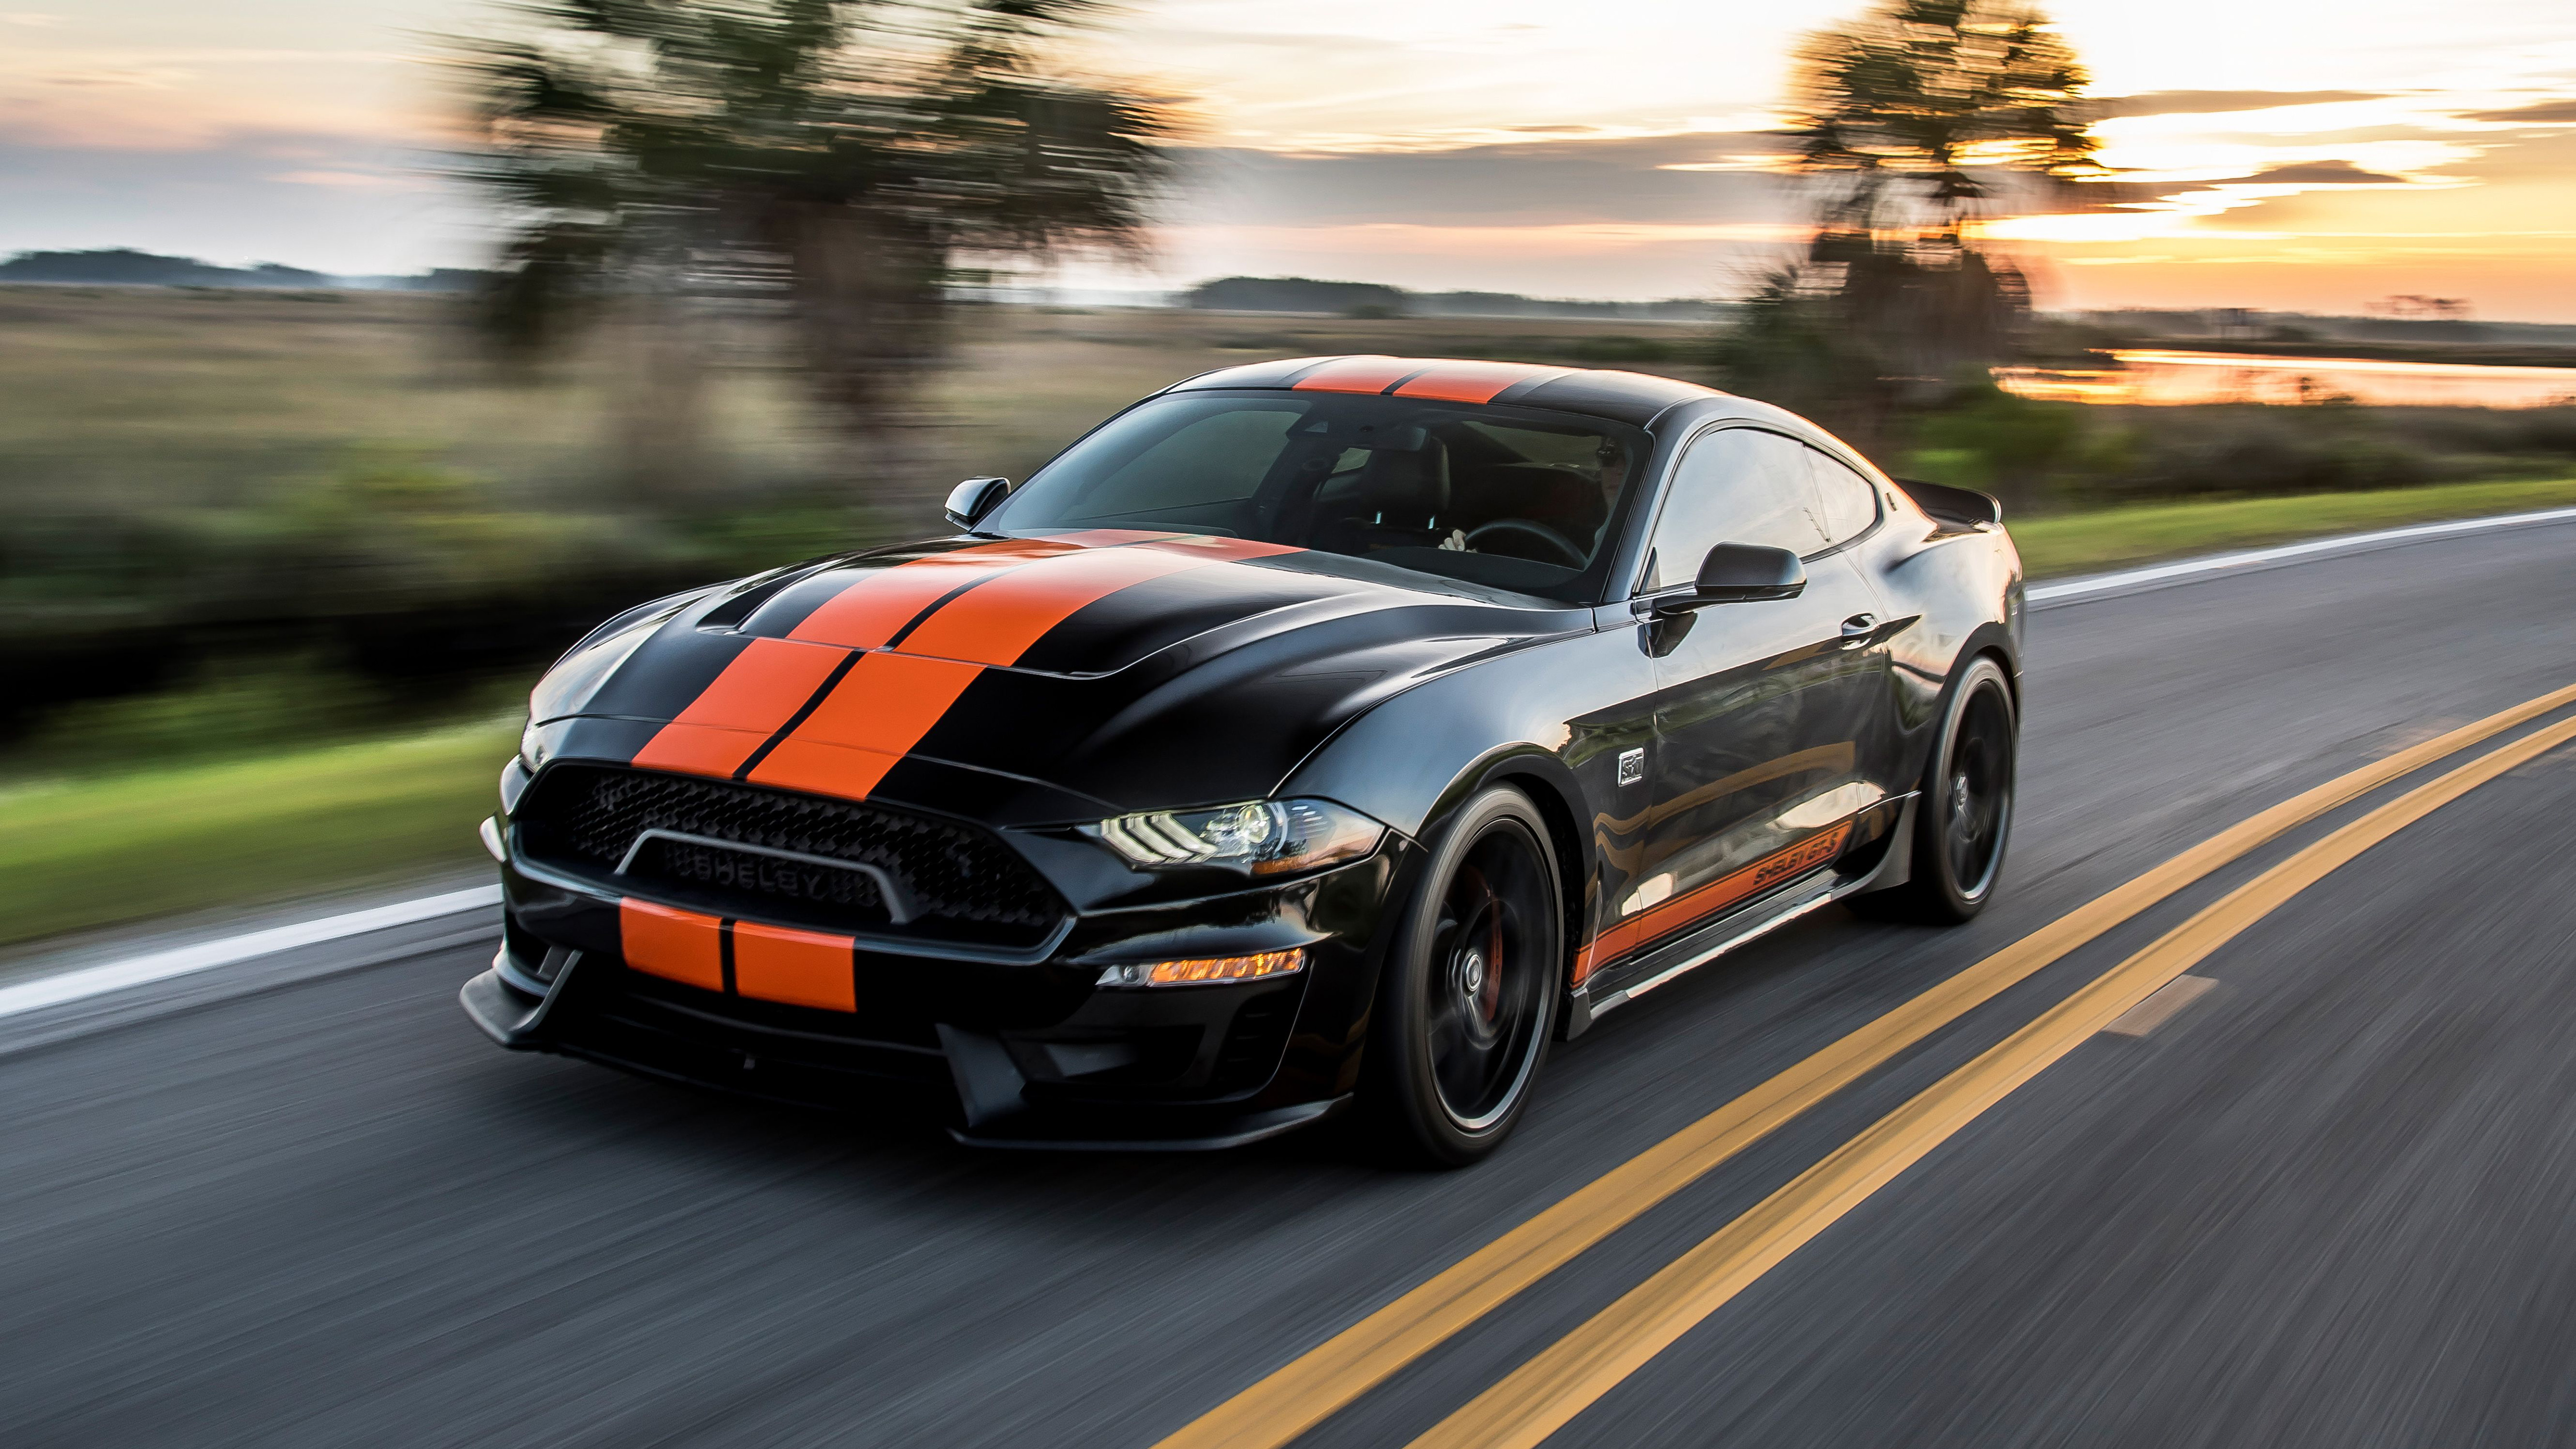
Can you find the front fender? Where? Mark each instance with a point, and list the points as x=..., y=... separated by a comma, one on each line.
x=1552, y=720
x=1558, y=714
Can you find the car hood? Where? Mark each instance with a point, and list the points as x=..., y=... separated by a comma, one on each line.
x=1023, y=680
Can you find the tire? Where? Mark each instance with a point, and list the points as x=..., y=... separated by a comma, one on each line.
x=1963, y=818
x=1468, y=998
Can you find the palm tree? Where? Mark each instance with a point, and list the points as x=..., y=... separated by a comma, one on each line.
x=839, y=163
x=1912, y=113
x=1909, y=123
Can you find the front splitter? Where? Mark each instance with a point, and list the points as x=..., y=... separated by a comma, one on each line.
x=1039, y=1132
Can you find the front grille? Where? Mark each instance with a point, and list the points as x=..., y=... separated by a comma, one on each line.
x=695, y=867
x=960, y=883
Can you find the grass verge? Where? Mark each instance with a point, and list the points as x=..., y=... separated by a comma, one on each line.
x=2077, y=543
x=80, y=853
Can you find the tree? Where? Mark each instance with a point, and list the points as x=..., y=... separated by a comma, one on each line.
x=1911, y=113
x=841, y=162
x=1909, y=123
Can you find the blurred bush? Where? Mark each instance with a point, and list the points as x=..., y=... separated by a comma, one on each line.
x=365, y=592
x=2058, y=456
x=230, y=526
x=233, y=706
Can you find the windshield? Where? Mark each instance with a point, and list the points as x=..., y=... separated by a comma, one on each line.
x=1514, y=498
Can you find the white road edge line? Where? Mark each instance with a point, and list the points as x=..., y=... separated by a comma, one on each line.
x=144, y=970
x=2220, y=562
x=91, y=981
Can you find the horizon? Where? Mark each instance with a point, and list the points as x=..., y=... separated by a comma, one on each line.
x=1498, y=147
x=1050, y=294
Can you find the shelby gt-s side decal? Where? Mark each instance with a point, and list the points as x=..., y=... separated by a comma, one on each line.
x=1656, y=920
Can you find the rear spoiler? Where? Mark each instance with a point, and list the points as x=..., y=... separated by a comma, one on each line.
x=1964, y=506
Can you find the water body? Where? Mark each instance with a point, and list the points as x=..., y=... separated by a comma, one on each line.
x=2169, y=378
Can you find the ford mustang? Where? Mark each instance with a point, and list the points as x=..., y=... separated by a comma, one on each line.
x=1316, y=734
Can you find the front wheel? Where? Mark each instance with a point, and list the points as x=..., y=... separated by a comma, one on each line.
x=1468, y=996
x=1964, y=816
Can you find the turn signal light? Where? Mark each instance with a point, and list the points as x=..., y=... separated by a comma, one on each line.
x=1207, y=970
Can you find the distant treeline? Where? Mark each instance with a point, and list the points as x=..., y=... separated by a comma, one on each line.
x=126, y=267
x=1371, y=299
x=2246, y=325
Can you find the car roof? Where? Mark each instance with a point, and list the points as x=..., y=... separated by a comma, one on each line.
x=1627, y=397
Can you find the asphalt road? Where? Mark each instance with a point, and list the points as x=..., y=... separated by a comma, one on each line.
x=2327, y=1203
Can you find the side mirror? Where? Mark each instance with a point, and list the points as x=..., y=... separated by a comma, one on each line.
x=969, y=501
x=1739, y=573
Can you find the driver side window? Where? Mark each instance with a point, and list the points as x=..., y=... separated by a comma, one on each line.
x=1736, y=485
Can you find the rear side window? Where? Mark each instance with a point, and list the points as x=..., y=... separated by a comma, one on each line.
x=1736, y=485
x=1846, y=502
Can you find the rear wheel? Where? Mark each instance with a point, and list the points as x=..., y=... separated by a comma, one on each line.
x=1963, y=818
x=1465, y=1006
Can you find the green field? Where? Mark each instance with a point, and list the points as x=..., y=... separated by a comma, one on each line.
x=2076, y=543
x=178, y=398
x=82, y=853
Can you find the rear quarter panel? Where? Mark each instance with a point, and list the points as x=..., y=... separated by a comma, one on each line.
x=1964, y=592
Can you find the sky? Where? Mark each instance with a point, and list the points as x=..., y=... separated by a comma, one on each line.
x=2276, y=155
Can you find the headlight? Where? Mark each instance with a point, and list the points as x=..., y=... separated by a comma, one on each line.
x=1260, y=837
x=532, y=748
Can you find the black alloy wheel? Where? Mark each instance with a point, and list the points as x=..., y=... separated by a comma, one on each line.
x=1469, y=999
x=1963, y=819
x=1976, y=803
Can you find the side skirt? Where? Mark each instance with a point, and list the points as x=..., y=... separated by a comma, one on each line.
x=1588, y=1002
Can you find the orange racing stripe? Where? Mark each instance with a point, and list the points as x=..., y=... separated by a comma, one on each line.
x=1708, y=900
x=889, y=700
x=998, y=621
x=795, y=968
x=677, y=945
x=879, y=710
x=1472, y=382
x=735, y=715
x=875, y=608
x=1357, y=374
x=763, y=688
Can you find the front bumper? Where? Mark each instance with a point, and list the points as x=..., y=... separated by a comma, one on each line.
x=1027, y=1053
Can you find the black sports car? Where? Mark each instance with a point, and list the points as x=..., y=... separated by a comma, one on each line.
x=1314, y=733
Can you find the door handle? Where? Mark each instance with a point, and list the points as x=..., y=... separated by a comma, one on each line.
x=1858, y=628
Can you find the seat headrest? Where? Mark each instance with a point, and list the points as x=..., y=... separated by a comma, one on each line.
x=1406, y=483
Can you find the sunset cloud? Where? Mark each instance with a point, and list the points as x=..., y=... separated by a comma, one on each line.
x=2201, y=103
x=365, y=180
x=2261, y=157
x=2323, y=173
x=2545, y=113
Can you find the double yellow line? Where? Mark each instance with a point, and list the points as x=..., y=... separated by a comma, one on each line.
x=1540, y=1396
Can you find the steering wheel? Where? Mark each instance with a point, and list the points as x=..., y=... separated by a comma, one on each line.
x=1538, y=533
